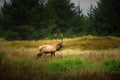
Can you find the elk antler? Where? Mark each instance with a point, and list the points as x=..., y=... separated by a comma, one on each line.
x=61, y=35
x=60, y=41
x=55, y=37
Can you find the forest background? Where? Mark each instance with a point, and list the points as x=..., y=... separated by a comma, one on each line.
x=40, y=19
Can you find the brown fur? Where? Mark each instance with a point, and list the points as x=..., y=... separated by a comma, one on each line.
x=44, y=49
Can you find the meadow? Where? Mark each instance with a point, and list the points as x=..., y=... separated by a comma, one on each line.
x=81, y=58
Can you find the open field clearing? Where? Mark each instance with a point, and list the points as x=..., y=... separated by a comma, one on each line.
x=83, y=58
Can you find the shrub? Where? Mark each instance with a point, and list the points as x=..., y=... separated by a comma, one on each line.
x=111, y=65
x=2, y=55
x=66, y=64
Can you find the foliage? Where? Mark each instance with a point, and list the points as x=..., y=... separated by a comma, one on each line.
x=66, y=64
x=71, y=63
x=104, y=18
x=111, y=65
x=2, y=55
x=36, y=19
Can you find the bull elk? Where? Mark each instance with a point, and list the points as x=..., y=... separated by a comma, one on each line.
x=45, y=49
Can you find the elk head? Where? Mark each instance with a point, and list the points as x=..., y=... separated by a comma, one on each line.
x=59, y=45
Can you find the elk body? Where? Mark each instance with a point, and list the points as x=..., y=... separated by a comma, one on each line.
x=44, y=49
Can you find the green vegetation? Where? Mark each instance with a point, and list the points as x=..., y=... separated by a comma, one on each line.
x=60, y=69
x=2, y=55
x=112, y=66
x=40, y=19
x=85, y=58
x=66, y=64
x=104, y=18
x=31, y=23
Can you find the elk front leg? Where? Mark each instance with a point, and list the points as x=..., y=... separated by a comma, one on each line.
x=39, y=55
x=52, y=53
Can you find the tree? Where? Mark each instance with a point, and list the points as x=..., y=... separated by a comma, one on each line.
x=61, y=11
x=106, y=18
x=17, y=14
x=36, y=19
x=78, y=22
x=90, y=20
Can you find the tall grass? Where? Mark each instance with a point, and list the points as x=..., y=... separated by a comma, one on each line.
x=82, y=43
x=111, y=65
x=82, y=58
x=61, y=69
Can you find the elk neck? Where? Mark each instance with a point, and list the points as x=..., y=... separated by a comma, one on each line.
x=58, y=46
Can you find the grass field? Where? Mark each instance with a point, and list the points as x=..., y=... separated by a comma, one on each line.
x=81, y=58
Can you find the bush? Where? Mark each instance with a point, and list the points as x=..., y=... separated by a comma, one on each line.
x=111, y=65
x=2, y=55
x=9, y=35
x=66, y=64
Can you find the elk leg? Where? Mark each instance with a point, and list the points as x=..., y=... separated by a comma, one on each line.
x=52, y=54
x=39, y=55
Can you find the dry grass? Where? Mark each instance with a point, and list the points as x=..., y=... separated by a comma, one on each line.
x=87, y=48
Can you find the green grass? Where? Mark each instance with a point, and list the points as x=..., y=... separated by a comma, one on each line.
x=2, y=55
x=66, y=64
x=82, y=58
x=60, y=69
x=111, y=65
